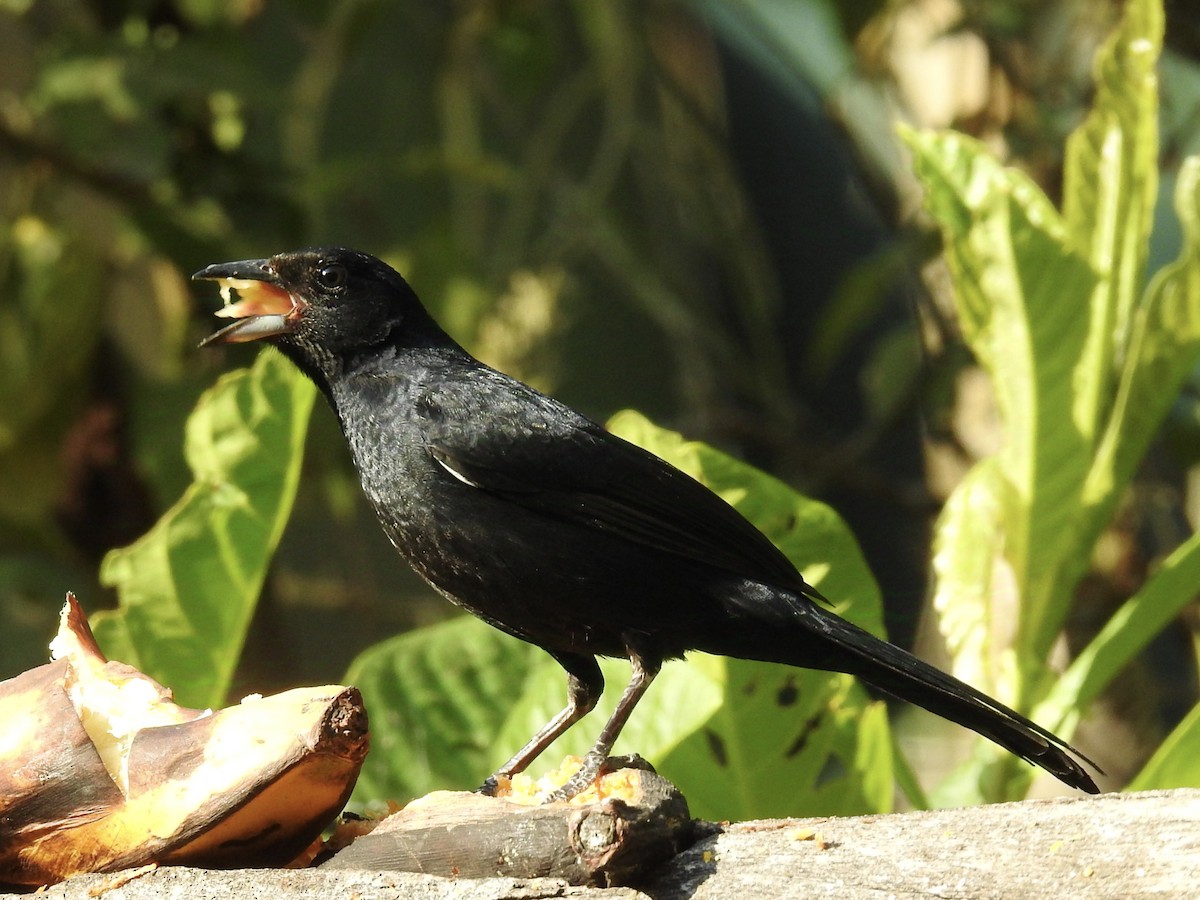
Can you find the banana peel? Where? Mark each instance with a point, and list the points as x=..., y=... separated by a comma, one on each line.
x=100, y=770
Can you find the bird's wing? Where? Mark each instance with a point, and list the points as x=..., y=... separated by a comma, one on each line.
x=544, y=457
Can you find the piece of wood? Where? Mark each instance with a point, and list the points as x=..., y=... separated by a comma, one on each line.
x=461, y=834
x=179, y=883
x=1111, y=846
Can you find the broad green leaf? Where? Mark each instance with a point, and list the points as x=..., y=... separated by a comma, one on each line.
x=451, y=702
x=1142, y=343
x=1176, y=763
x=1021, y=292
x=1110, y=187
x=974, y=592
x=187, y=589
x=438, y=696
x=786, y=742
x=975, y=601
x=1085, y=366
x=1162, y=351
x=740, y=738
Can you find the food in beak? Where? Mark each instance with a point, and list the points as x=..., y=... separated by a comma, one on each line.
x=257, y=298
x=264, y=310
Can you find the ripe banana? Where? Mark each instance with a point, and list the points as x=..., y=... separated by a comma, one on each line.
x=100, y=770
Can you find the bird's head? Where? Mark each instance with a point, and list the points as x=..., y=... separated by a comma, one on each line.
x=321, y=306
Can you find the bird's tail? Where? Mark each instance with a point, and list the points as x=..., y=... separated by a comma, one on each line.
x=830, y=642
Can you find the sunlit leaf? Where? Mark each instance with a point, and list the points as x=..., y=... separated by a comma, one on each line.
x=1142, y=342
x=1175, y=764
x=1021, y=292
x=1085, y=366
x=783, y=740
x=786, y=742
x=1110, y=187
x=1130, y=629
x=438, y=697
x=187, y=589
x=682, y=699
x=1162, y=351
x=975, y=589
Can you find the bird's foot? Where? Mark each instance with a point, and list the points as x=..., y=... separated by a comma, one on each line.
x=592, y=768
x=595, y=765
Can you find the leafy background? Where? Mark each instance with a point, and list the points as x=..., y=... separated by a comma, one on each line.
x=697, y=208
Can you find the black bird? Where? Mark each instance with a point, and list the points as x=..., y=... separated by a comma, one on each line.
x=544, y=525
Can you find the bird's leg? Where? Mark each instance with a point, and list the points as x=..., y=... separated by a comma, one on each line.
x=642, y=675
x=585, y=684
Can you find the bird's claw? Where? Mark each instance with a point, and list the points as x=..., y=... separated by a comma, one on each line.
x=594, y=765
x=574, y=785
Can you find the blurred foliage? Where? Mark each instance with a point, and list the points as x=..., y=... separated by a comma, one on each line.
x=694, y=207
x=555, y=178
x=1085, y=359
x=535, y=169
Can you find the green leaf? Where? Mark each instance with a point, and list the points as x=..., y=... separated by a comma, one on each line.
x=1085, y=367
x=187, y=589
x=451, y=703
x=970, y=599
x=786, y=742
x=1021, y=292
x=49, y=323
x=741, y=739
x=1168, y=591
x=1141, y=343
x=438, y=696
x=1162, y=351
x=1175, y=764
x=1110, y=187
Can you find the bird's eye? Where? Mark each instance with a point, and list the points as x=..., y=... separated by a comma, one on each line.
x=331, y=277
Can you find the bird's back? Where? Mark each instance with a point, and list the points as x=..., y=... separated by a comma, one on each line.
x=541, y=522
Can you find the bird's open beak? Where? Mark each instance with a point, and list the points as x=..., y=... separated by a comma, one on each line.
x=264, y=308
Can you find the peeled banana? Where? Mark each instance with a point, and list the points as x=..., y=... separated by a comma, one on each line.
x=100, y=770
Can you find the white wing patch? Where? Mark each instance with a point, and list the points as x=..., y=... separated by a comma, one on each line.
x=453, y=471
